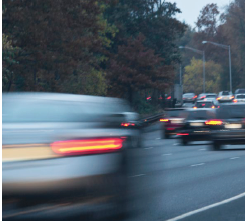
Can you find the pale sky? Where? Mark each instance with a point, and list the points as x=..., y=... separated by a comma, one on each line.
x=191, y=8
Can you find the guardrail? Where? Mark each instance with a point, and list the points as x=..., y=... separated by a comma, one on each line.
x=152, y=119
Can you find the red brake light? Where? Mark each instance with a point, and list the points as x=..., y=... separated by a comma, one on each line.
x=218, y=98
x=214, y=122
x=195, y=96
x=195, y=107
x=168, y=98
x=183, y=134
x=235, y=101
x=88, y=146
x=202, y=97
x=127, y=124
x=148, y=98
x=164, y=120
x=232, y=97
x=203, y=105
x=213, y=107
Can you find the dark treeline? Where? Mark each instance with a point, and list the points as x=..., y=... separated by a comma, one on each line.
x=113, y=47
x=119, y=48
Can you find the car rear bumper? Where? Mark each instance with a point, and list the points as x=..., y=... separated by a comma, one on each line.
x=229, y=137
x=59, y=176
x=195, y=136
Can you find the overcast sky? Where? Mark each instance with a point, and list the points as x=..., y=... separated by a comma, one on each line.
x=191, y=8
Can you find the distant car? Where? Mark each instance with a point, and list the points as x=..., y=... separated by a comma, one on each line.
x=240, y=91
x=239, y=98
x=194, y=128
x=62, y=150
x=172, y=121
x=189, y=97
x=205, y=104
x=225, y=96
x=228, y=126
x=206, y=95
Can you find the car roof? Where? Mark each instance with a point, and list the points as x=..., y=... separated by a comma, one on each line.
x=59, y=97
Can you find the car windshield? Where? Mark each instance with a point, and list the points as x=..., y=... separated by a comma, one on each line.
x=240, y=96
x=231, y=111
x=200, y=115
x=204, y=104
x=225, y=93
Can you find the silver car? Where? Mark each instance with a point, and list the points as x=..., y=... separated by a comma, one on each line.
x=62, y=153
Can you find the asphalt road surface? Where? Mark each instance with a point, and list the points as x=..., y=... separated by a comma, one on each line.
x=190, y=183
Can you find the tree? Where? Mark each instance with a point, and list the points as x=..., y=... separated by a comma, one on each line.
x=137, y=67
x=58, y=41
x=193, y=77
x=8, y=56
x=233, y=29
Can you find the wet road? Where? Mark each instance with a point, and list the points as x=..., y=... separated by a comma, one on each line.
x=169, y=180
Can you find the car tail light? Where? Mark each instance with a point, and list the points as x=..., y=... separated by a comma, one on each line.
x=218, y=98
x=183, y=134
x=195, y=97
x=235, y=101
x=203, y=105
x=168, y=98
x=213, y=107
x=127, y=124
x=88, y=146
x=195, y=107
x=202, y=97
x=164, y=120
x=214, y=122
x=232, y=97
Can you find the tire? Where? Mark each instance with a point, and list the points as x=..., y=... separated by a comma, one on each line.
x=216, y=146
x=167, y=136
x=184, y=142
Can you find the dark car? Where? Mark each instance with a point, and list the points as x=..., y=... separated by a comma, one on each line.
x=189, y=98
x=228, y=126
x=194, y=128
x=172, y=121
x=62, y=151
x=205, y=104
x=240, y=91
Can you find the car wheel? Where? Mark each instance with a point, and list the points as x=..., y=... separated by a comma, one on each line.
x=216, y=146
x=167, y=136
x=184, y=142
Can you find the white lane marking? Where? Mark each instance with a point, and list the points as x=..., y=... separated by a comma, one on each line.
x=175, y=144
x=207, y=207
x=158, y=138
x=147, y=148
x=196, y=165
x=202, y=149
x=233, y=158
x=137, y=175
x=167, y=154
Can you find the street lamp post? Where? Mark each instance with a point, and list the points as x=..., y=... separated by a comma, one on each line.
x=228, y=47
x=203, y=59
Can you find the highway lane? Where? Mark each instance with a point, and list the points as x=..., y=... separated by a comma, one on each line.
x=169, y=180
